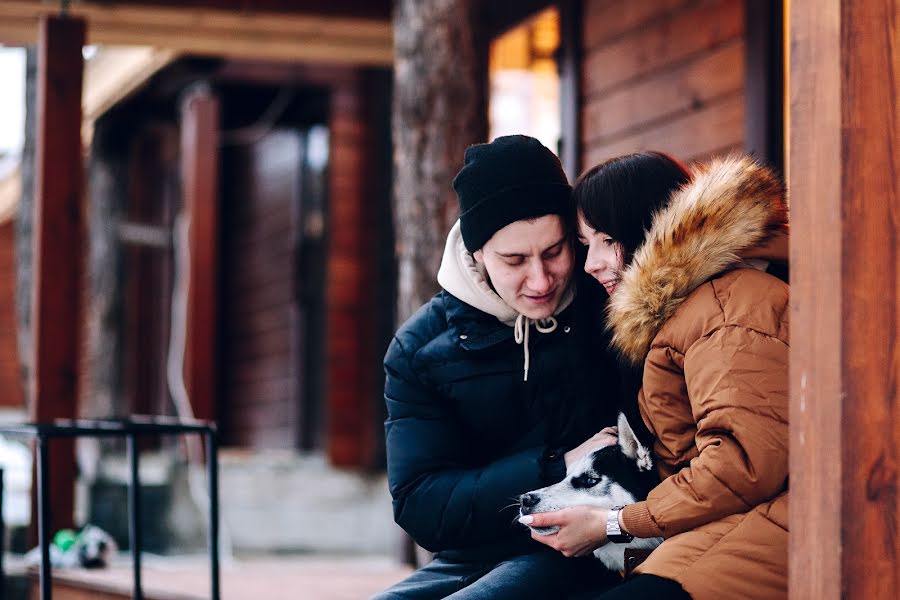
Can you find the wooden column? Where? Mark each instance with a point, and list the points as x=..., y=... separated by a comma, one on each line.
x=351, y=293
x=200, y=175
x=58, y=247
x=844, y=167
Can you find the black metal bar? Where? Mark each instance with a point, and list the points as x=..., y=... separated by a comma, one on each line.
x=134, y=515
x=44, y=515
x=212, y=458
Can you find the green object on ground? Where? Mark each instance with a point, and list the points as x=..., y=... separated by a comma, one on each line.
x=64, y=539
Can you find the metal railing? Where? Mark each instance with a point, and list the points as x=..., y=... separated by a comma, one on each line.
x=130, y=429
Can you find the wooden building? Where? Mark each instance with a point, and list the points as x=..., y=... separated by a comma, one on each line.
x=808, y=86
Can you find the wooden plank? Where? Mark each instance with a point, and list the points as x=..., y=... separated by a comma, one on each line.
x=606, y=20
x=665, y=96
x=113, y=74
x=696, y=134
x=845, y=420
x=59, y=224
x=211, y=31
x=350, y=8
x=670, y=41
x=10, y=376
x=200, y=156
x=272, y=343
x=816, y=386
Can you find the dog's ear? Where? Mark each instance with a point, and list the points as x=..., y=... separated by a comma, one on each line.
x=631, y=447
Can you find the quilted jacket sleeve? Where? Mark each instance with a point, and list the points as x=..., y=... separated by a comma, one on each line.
x=737, y=384
x=439, y=497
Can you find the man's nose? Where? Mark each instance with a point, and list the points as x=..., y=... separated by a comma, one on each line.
x=539, y=278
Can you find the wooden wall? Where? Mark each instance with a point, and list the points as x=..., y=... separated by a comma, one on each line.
x=662, y=74
x=10, y=377
x=260, y=237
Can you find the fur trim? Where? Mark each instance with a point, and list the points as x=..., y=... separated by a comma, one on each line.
x=731, y=205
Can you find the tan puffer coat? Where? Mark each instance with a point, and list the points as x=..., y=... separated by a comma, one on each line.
x=713, y=336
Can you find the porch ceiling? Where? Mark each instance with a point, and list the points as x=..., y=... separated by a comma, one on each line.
x=322, y=32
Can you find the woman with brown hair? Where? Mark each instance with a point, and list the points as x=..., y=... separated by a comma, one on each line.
x=702, y=329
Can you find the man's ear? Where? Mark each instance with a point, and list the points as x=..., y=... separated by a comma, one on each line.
x=478, y=255
x=631, y=447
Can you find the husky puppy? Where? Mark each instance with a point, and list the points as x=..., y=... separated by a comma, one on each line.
x=613, y=476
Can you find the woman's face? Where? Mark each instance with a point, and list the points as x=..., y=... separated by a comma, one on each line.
x=605, y=256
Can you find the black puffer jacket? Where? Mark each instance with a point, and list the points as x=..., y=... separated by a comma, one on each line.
x=466, y=435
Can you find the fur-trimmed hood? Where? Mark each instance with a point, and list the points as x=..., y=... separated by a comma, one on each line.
x=730, y=206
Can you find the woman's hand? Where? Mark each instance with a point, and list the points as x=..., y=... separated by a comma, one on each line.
x=582, y=529
x=603, y=438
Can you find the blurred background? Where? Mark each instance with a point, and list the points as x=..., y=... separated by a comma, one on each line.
x=261, y=193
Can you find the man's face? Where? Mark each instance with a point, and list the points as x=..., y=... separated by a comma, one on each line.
x=529, y=264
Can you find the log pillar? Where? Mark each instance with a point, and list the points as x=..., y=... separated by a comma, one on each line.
x=843, y=170
x=58, y=240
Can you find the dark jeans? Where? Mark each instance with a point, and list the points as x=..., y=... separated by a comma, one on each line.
x=640, y=587
x=541, y=575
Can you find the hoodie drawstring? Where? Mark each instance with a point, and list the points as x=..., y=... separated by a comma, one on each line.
x=523, y=324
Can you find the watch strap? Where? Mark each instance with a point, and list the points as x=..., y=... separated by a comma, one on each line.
x=614, y=531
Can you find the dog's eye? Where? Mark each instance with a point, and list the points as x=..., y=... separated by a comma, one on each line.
x=586, y=481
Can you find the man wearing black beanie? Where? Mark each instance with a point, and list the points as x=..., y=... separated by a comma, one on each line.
x=492, y=386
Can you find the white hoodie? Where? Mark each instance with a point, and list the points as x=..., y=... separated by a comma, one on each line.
x=461, y=275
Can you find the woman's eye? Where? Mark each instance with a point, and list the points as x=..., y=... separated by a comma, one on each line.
x=609, y=241
x=514, y=262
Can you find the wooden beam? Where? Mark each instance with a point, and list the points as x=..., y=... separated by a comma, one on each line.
x=200, y=175
x=58, y=247
x=114, y=73
x=189, y=29
x=845, y=342
x=348, y=8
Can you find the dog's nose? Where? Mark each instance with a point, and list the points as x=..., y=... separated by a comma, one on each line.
x=528, y=500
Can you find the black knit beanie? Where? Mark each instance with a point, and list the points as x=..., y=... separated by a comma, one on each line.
x=515, y=177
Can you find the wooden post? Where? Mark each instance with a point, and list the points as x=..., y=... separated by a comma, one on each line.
x=843, y=169
x=200, y=174
x=351, y=281
x=58, y=247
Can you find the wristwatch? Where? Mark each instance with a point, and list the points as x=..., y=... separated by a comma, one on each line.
x=614, y=532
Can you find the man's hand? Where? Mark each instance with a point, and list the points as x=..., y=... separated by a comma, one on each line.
x=605, y=437
x=582, y=529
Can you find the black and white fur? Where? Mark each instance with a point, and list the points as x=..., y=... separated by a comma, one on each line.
x=613, y=476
